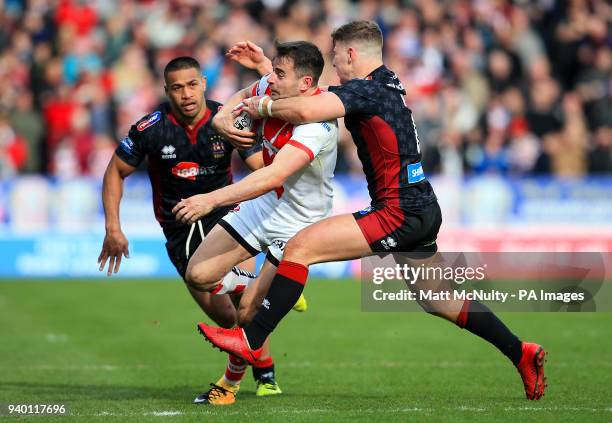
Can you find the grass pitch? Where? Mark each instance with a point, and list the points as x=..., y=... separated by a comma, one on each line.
x=129, y=351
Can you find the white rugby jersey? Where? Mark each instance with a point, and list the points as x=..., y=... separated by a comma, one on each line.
x=305, y=196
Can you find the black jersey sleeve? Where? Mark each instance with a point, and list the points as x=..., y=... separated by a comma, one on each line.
x=132, y=149
x=248, y=152
x=358, y=96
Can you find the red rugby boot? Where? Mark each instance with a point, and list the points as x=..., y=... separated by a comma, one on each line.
x=531, y=369
x=232, y=341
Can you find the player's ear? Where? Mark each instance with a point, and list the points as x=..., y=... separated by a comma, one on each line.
x=306, y=83
x=166, y=89
x=204, y=83
x=351, y=54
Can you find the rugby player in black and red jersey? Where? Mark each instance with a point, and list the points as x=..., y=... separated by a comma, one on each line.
x=185, y=156
x=404, y=215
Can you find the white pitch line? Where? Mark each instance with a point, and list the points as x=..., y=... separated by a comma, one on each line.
x=526, y=408
x=95, y=367
x=166, y=413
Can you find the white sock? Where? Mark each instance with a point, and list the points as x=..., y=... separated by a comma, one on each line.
x=234, y=282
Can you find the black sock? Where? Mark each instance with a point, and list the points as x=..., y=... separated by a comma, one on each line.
x=481, y=321
x=286, y=288
x=263, y=372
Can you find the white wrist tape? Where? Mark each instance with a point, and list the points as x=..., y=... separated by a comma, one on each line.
x=270, y=107
x=260, y=105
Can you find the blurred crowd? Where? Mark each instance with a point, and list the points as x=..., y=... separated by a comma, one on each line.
x=496, y=86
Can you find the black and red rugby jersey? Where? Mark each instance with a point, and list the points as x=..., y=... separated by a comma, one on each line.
x=387, y=140
x=180, y=162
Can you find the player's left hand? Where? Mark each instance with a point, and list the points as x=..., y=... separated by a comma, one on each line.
x=251, y=56
x=252, y=106
x=190, y=210
x=223, y=123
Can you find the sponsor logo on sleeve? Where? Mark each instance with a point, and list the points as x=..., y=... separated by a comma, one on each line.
x=150, y=120
x=415, y=173
x=127, y=145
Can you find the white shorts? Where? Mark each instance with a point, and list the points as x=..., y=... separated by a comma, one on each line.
x=258, y=226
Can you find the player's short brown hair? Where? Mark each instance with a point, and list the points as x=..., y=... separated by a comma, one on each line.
x=361, y=31
x=307, y=58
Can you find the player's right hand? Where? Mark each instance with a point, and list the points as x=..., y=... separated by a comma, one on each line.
x=223, y=123
x=115, y=244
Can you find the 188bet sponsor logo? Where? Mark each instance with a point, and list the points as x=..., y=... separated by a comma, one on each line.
x=189, y=170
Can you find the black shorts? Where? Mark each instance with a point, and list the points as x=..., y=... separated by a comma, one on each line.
x=177, y=245
x=389, y=228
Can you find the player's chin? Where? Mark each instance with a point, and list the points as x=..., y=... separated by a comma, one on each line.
x=191, y=110
x=190, y=113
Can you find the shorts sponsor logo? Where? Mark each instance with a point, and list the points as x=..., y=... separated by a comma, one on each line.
x=389, y=243
x=279, y=244
x=326, y=126
x=127, y=145
x=366, y=210
x=415, y=173
x=152, y=119
x=168, y=152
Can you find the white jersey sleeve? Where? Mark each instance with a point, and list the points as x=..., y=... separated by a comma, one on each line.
x=314, y=137
x=261, y=87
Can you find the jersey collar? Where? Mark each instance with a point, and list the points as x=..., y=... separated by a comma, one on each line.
x=192, y=134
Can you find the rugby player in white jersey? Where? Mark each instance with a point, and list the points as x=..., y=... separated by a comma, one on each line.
x=292, y=191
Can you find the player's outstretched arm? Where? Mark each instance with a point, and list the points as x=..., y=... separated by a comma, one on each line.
x=115, y=243
x=288, y=161
x=308, y=109
x=251, y=56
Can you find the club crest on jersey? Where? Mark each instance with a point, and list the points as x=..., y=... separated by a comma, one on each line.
x=218, y=149
x=152, y=119
x=168, y=152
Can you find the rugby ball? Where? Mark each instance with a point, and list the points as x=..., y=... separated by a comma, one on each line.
x=243, y=121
